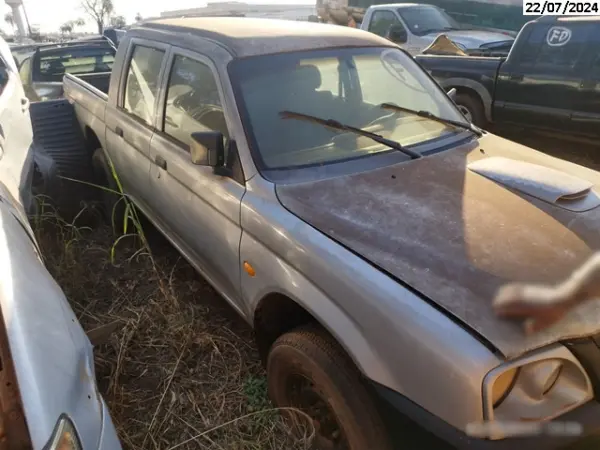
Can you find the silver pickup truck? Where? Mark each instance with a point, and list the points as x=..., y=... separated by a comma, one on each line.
x=335, y=196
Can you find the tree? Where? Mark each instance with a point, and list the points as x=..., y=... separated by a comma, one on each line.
x=99, y=10
x=69, y=27
x=118, y=22
x=138, y=17
x=66, y=28
x=9, y=19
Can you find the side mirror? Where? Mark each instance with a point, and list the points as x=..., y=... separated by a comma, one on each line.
x=452, y=94
x=397, y=34
x=208, y=149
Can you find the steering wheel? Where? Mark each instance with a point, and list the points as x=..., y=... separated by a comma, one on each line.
x=199, y=112
x=379, y=119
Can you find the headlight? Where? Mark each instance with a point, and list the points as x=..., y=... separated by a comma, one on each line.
x=65, y=437
x=536, y=388
x=502, y=386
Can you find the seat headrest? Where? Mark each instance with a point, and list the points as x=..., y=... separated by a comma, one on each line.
x=310, y=76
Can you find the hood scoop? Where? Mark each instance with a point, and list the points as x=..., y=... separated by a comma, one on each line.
x=546, y=184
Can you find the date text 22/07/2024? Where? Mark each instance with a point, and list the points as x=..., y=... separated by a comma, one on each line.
x=561, y=7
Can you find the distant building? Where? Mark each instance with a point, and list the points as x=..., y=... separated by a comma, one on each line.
x=289, y=12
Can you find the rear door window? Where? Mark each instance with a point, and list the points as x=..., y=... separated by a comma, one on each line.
x=555, y=48
x=593, y=55
x=142, y=83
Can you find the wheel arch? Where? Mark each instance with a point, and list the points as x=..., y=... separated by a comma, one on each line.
x=474, y=88
x=92, y=142
x=278, y=312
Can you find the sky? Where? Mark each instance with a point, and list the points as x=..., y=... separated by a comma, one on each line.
x=51, y=14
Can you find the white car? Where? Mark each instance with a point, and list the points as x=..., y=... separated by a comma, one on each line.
x=48, y=394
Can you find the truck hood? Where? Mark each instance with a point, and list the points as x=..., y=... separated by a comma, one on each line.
x=470, y=39
x=457, y=225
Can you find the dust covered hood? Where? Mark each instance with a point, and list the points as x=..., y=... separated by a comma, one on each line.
x=459, y=224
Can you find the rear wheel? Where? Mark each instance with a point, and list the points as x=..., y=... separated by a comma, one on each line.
x=308, y=370
x=472, y=108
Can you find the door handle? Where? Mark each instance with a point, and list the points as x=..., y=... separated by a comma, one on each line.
x=160, y=162
x=119, y=131
x=516, y=77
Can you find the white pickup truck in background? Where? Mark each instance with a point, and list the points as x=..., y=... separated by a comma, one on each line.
x=415, y=26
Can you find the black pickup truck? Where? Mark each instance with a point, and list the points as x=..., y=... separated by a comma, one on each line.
x=550, y=81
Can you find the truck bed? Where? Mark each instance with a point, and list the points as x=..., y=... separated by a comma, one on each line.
x=100, y=81
x=62, y=140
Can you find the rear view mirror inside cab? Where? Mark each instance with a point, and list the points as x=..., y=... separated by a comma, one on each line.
x=208, y=149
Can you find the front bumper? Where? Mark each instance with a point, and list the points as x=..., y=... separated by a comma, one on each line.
x=433, y=432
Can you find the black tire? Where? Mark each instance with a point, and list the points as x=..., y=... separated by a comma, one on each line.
x=113, y=205
x=475, y=107
x=309, y=354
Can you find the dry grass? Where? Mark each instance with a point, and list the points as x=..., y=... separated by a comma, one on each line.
x=181, y=370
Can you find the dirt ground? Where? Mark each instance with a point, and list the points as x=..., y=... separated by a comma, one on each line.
x=180, y=370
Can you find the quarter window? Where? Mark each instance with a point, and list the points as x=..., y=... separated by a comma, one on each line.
x=142, y=83
x=382, y=21
x=193, y=101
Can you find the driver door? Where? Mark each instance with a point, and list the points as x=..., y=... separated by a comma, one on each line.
x=198, y=210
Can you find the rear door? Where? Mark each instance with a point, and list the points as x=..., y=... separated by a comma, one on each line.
x=586, y=114
x=199, y=209
x=130, y=120
x=538, y=84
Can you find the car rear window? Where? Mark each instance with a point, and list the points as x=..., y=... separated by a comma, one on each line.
x=53, y=66
x=556, y=47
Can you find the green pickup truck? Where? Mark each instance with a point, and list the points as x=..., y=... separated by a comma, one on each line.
x=549, y=82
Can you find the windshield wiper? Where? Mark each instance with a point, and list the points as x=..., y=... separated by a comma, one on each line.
x=330, y=123
x=428, y=115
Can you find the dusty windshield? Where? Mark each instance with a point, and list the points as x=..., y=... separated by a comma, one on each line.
x=346, y=85
x=427, y=19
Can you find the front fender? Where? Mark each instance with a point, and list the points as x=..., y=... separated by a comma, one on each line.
x=281, y=278
x=395, y=337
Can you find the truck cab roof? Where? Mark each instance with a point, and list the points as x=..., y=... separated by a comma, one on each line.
x=561, y=19
x=243, y=36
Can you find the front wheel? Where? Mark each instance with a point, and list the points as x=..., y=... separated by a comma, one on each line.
x=472, y=108
x=308, y=370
